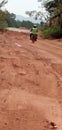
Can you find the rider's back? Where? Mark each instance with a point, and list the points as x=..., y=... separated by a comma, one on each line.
x=34, y=30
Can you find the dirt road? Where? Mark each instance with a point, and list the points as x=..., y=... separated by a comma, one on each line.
x=30, y=83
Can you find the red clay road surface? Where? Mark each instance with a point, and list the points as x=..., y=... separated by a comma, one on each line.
x=30, y=83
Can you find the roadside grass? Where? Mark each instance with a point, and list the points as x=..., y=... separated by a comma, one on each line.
x=52, y=32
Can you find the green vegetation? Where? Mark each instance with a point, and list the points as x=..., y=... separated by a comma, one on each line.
x=54, y=21
x=3, y=23
x=8, y=19
x=51, y=24
x=26, y=24
x=54, y=32
x=52, y=17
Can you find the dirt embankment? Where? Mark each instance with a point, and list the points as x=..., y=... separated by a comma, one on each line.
x=30, y=83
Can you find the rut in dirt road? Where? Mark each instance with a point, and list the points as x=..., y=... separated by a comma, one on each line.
x=30, y=83
x=17, y=99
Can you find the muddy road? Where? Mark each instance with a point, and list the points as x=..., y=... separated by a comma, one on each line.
x=30, y=83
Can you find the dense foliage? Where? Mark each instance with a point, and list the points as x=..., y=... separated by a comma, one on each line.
x=51, y=15
x=52, y=32
x=9, y=19
x=54, y=21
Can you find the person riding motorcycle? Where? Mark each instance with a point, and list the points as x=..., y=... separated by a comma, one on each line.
x=34, y=32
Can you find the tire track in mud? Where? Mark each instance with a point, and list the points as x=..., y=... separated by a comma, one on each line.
x=47, y=62
x=54, y=69
x=51, y=46
x=38, y=57
x=17, y=99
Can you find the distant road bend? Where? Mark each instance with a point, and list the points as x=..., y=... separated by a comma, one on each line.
x=18, y=30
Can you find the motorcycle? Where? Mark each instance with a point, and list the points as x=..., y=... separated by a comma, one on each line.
x=33, y=37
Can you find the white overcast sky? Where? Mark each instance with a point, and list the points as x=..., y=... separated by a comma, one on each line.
x=21, y=6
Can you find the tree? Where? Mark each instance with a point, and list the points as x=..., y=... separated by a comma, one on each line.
x=3, y=23
x=10, y=18
x=27, y=24
x=54, y=8
x=42, y=14
x=52, y=17
x=3, y=2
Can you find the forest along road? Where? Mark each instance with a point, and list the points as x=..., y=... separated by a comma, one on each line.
x=30, y=82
